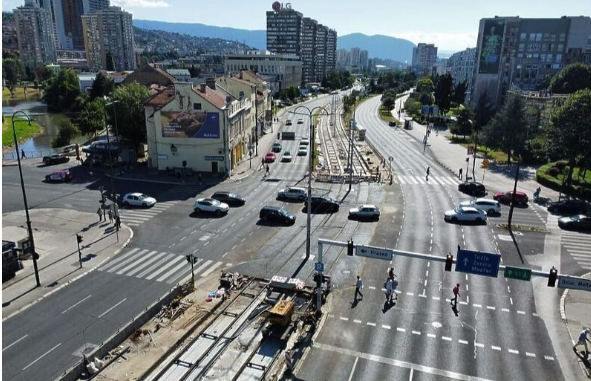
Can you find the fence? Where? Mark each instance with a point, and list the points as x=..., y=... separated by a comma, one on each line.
x=11, y=155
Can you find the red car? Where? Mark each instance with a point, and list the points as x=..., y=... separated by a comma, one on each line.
x=270, y=157
x=61, y=176
x=505, y=197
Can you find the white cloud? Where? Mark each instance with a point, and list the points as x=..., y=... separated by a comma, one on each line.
x=444, y=41
x=140, y=3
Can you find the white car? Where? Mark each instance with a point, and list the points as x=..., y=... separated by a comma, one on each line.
x=303, y=151
x=295, y=193
x=465, y=214
x=286, y=156
x=305, y=141
x=486, y=205
x=210, y=205
x=138, y=199
x=365, y=211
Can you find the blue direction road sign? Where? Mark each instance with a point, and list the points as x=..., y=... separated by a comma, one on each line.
x=374, y=252
x=576, y=283
x=318, y=266
x=478, y=262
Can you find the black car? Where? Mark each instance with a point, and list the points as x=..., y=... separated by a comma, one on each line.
x=579, y=222
x=568, y=207
x=229, y=198
x=322, y=204
x=472, y=188
x=392, y=123
x=56, y=159
x=277, y=214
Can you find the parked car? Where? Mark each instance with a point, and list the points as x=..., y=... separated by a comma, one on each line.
x=303, y=151
x=210, y=205
x=230, y=198
x=270, y=157
x=277, y=214
x=288, y=122
x=578, y=222
x=322, y=204
x=472, y=188
x=138, y=199
x=286, y=157
x=276, y=147
x=505, y=197
x=465, y=214
x=392, y=123
x=59, y=176
x=305, y=141
x=365, y=211
x=300, y=121
x=292, y=193
x=484, y=204
x=568, y=207
x=56, y=159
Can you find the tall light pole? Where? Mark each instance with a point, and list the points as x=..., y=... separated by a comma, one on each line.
x=310, y=114
x=113, y=195
x=29, y=228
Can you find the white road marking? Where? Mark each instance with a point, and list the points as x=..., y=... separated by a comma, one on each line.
x=74, y=305
x=416, y=333
x=353, y=369
x=110, y=309
x=386, y=326
x=436, y=298
x=521, y=312
x=43, y=355
x=411, y=374
x=371, y=324
x=431, y=336
x=496, y=348
x=477, y=305
x=410, y=293
x=479, y=345
x=530, y=354
x=400, y=329
x=491, y=307
x=504, y=309
x=344, y=318
x=211, y=269
x=371, y=287
x=5, y=348
x=463, y=342
x=446, y=338
x=515, y=352
x=549, y=358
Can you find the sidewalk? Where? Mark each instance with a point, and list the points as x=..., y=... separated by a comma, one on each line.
x=575, y=308
x=54, y=231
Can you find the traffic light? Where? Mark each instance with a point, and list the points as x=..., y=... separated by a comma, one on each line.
x=449, y=260
x=552, y=277
x=350, y=247
x=79, y=238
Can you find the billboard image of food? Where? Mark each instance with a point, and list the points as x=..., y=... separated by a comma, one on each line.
x=492, y=42
x=184, y=124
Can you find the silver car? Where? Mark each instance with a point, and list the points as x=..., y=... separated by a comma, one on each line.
x=294, y=193
x=210, y=205
x=485, y=204
x=138, y=199
x=365, y=211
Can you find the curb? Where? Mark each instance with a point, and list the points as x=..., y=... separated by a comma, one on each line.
x=70, y=281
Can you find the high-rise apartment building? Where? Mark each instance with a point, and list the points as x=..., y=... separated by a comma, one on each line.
x=341, y=61
x=355, y=57
x=424, y=57
x=516, y=53
x=461, y=68
x=363, y=59
x=288, y=32
x=35, y=34
x=109, y=33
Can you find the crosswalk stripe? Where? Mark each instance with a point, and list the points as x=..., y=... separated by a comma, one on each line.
x=411, y=179
x=211, y=269
x=455, y=180
x=174, y=270
x=200, y=268
x=139, y=213
x=447, y=180
x=433, y=180
x=162, y=258
x=576, y=245
x=171, y=262
x=177, y=276
x=134, y=218
x=573, y=251
x=120, y=258
x=145, y=259
x=401, y=179
x=419, y=179
x=130, y=259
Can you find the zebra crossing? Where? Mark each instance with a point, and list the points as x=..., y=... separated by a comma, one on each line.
x=433, y=180
x=135, y=217
x=578, y=246
x=159, y=266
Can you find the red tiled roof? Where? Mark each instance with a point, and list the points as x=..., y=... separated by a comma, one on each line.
x=161, y=98
x=212, y=96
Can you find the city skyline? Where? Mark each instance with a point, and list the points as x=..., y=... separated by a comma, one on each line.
x=451, y=28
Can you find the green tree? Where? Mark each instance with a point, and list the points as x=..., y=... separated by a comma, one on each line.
x=570, y=132
x=130, y=112
x=464, y=121
x=13, y=71
x=292, y=93
x=426, y=99
x=66, y=133
x=412, y=107
x=62, y=90
x=484, y=112
x=443, y=92
x=459, y=93
x=110, y=62
x=425, y=85
x=92, y=117
x=388, y=103
x=508, y=129
x=571, y=79
x=102, y=85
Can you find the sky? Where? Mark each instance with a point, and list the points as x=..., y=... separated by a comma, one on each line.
x=452, y=25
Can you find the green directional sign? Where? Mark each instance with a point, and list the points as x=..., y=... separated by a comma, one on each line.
x=517, y=273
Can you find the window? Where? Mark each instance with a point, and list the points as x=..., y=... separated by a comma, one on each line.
x=196, y=106
x=521, y=47
x=558, y=57
x=562, y=37
x=544, y=47
x=543, y=57
x=546, y=36
x=538, y=37
x=560, y=47
x=549, y=58
x=522, y=37
x=532, y=36
x=552, y=37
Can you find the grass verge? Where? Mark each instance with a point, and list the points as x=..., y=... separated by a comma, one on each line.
x=523, y=228
x=19, y=93
x=23, y=130
x=497, y=156
x=581, y=182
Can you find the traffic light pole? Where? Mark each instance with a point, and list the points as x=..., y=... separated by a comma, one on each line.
x=78, y=240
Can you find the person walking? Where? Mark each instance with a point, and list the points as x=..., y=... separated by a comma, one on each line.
x=389, y=290
x=358, y=287
x=583, y=341
x=268, y=172
x=110, y=214
x=460, y=173
x=427, y=177
x=100, y=214
x=23, y=156
x=118, y=222
x=456, y=291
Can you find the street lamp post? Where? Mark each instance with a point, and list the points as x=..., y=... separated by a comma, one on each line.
x=113, y=195
x=29, y=228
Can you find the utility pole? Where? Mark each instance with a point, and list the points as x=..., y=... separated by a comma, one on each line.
x=78, y=240
x=351, y=125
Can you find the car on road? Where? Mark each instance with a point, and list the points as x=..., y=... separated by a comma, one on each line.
x=277, y=214
x=210, y=205
x=578, y=222
x=505, y=197
x=292, y=193
x=392, y=123
x=365, y=211
x=486, y=205
x=322, y=204
x=568, y=207
x=230, y=198
x=303, y=151
x=300, y=121
x=59, y=176
x=276, y=147
x=288, y=122
x=465, y=214
x=56, y=159
x=286, y=157
x=472, y=188
x=138, y=199
x=270, y=157
x=305, y=141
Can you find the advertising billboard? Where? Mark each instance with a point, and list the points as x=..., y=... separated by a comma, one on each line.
x=184, y=124
x=492, y=42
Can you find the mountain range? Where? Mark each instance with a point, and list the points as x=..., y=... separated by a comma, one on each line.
x=379, y=46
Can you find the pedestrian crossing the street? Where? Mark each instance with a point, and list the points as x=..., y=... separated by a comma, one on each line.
x=159, y=266
x=136, y=216
x=578, y=246
x=433, y=180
